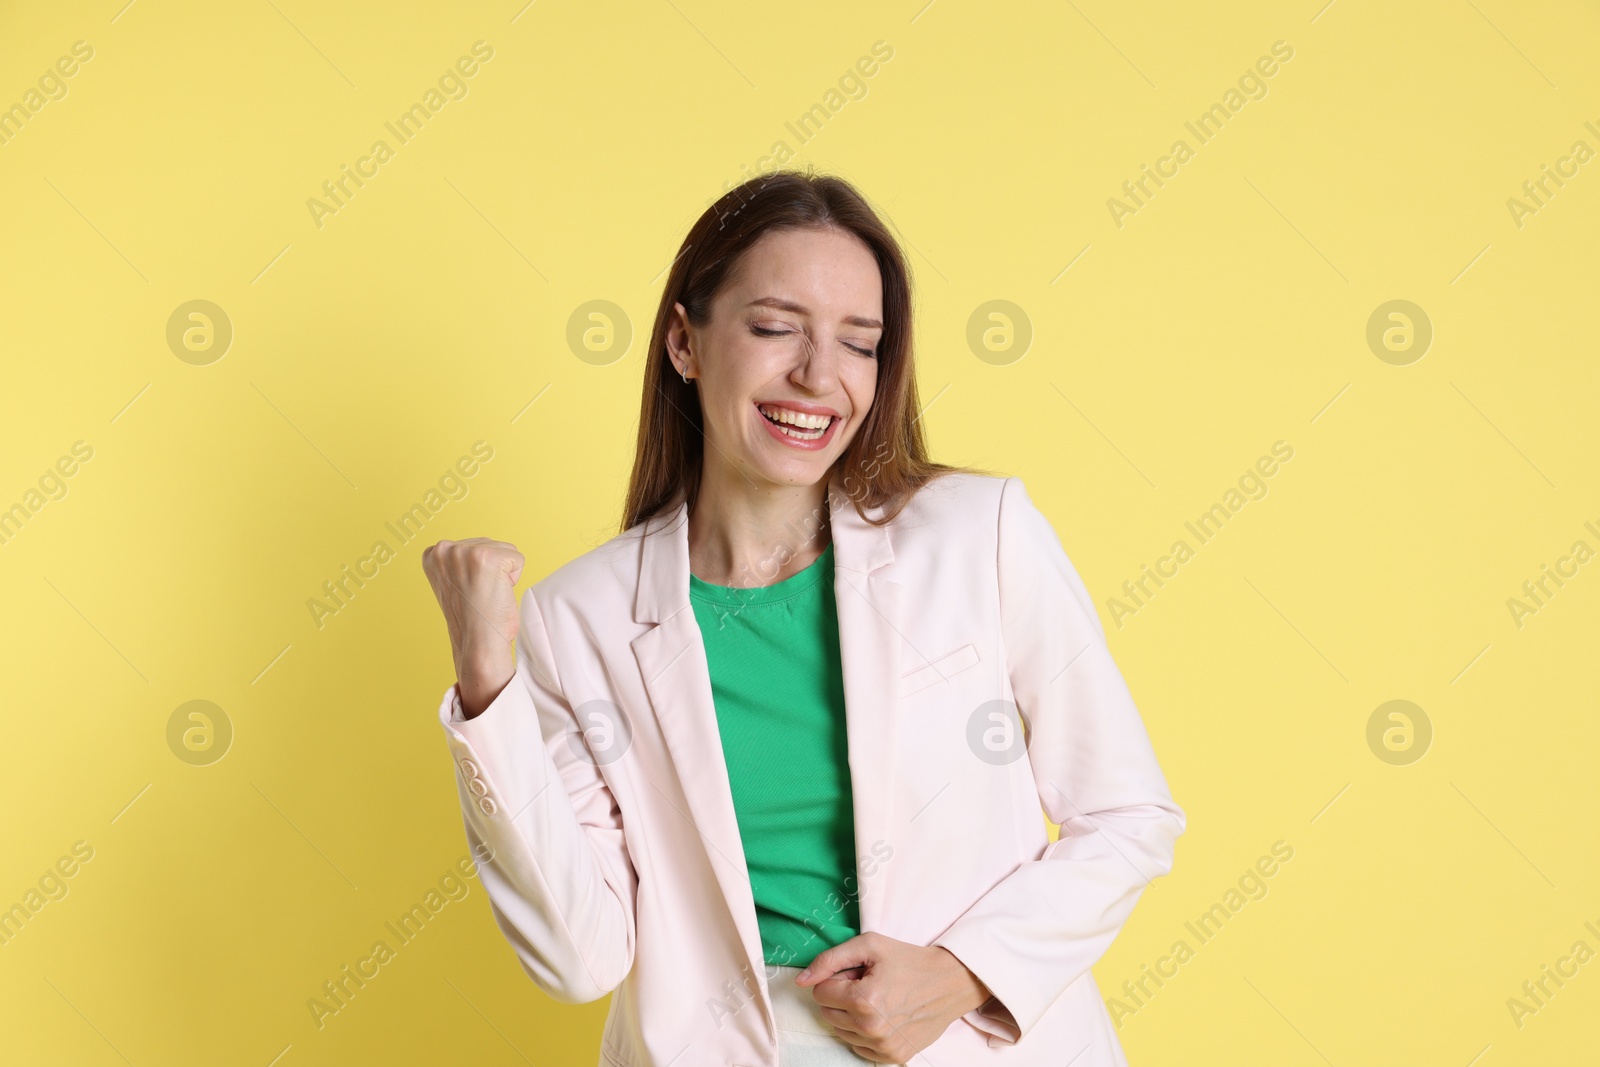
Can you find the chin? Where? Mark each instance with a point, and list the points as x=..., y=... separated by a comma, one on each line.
x=798, y=479
x=795, y=475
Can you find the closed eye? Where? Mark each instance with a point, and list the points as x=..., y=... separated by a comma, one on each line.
x=762, y=331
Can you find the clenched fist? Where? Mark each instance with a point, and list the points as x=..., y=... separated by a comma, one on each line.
x=474, y=581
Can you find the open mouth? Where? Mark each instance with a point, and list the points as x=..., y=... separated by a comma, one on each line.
x=796, y=424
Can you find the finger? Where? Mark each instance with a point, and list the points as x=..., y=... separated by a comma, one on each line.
x=837, y=994
x=841, y=1002
x=858, y=1041
x=872, y=1014
x=845, y=1022
x=867, y=1053
x=855, y=952
x=514, y=571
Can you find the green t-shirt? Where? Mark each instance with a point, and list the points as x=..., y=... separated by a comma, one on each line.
x=778, y=687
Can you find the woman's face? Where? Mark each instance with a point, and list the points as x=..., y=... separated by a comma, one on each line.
x=787, y=365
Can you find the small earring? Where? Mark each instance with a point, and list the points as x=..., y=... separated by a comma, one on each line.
x=685, y=377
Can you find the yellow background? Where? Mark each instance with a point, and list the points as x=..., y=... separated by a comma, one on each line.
x=368, y=354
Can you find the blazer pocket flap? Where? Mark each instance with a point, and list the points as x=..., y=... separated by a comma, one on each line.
x=914, y=681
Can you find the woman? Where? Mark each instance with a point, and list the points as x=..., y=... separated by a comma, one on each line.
x=768, y=765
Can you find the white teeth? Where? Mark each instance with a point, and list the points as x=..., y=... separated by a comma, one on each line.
x=804, y=436
x=797, y=419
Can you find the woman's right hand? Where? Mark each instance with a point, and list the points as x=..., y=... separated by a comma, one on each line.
x=474, y=581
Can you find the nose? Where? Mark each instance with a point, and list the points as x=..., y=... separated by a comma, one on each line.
x=817, y=369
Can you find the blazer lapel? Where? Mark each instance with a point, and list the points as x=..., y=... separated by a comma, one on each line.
x=673, y=665
x=869, y=650
x=672, y=662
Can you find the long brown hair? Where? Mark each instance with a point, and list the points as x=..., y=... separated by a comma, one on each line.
x=887, y=461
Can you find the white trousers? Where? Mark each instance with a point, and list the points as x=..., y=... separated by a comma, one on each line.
x=805, y=1038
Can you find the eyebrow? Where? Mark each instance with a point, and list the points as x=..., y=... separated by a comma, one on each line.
x=789, y=305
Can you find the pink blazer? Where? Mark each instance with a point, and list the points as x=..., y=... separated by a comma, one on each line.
x=597, y=782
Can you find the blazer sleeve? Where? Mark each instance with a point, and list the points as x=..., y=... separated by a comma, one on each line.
x=1046, y=923
x=560, y=881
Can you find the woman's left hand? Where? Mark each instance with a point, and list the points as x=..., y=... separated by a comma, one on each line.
x=887, y=999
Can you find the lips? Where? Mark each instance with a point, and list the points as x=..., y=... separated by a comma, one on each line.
x=804, y=425
x=801, y=429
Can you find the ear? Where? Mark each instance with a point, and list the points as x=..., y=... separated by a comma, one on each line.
x=679, y=342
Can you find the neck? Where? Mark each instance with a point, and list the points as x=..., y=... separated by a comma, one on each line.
x=743, y=534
